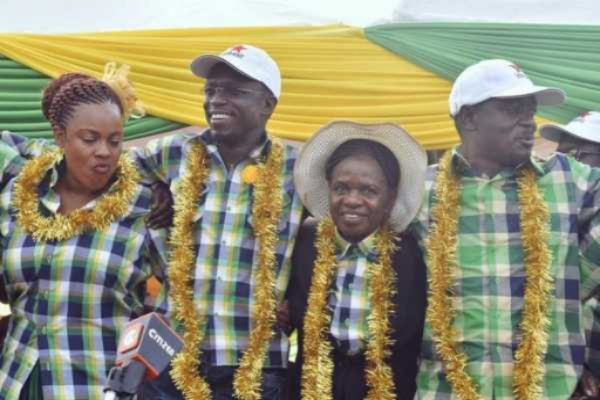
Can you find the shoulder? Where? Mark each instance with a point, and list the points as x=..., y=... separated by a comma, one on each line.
x=307, y=233
x=173, y=142
x=408, y=251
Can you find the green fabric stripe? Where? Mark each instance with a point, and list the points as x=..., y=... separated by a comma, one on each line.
x=20, y=105
x=552, y=55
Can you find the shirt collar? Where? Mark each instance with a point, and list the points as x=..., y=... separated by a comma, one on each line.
x=463, y=167
x=365, y=247
x=257, y=154
x=51, y=200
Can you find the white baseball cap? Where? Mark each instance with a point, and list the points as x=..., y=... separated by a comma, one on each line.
x=586, y=126
x=498, y=79
x=248, y=60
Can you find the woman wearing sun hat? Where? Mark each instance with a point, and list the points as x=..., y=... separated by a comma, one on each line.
x=358, y=288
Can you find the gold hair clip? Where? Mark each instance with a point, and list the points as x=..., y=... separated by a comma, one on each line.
x=116, y=78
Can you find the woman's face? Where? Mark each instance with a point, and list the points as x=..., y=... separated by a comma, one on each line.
x=92, y=142
x=359, y=197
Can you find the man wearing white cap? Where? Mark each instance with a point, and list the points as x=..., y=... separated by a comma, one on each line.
x=236, y=219
x=580, y=138
x=512, y=244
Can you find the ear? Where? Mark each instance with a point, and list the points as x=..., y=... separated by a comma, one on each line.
x=466, y=119
x=269, y=105
x=60, y=137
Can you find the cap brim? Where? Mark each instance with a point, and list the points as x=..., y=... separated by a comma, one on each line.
x=545, y=96
x=552, y=132
x=309, y=172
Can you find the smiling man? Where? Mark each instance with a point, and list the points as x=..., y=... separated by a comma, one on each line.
x=512, y=245
x=236, y=219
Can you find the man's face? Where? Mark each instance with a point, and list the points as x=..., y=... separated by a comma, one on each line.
x=582, y=150
x=236, y=107
x=501, y=130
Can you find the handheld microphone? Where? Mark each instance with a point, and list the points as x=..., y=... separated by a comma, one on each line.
x=146, y=348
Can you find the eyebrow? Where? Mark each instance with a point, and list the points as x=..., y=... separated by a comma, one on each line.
x=95, y=132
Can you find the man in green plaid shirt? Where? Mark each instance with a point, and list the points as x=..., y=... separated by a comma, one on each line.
x=241, y=91
x=493, y=104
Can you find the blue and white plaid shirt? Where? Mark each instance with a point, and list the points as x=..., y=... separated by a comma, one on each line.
x=70, y=299
x=226, y=246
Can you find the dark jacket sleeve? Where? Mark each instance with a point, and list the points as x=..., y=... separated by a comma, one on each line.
x=303, y=259
x=409, y=318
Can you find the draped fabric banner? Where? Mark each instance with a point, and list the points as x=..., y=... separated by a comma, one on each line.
x=329, y=73
x=551, y=55
x=20, y=105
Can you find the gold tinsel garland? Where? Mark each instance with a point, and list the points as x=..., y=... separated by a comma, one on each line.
x=535, y=219
x=181, y=276
x=318, y=368
x=109, y=206
x=266, y=210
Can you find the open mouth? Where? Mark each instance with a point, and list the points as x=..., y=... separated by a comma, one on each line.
x=219, y=117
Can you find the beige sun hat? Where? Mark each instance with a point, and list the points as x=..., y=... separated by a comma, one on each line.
x=309, y=172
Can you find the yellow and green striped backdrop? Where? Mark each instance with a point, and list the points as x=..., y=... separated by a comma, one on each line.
x=400, y=73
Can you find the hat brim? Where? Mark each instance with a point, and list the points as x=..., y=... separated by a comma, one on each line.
x=202, y=65
x=553, y=132
x=309, y=171
x=545, y=96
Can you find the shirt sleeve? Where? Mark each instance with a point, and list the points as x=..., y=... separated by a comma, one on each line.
x=156, y=245
x=24, y=146
x=10, y=164
x=591, y=322
x=589, y=226
x=160, y=159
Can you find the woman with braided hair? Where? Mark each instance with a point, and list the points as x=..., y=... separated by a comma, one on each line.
x=76, y=250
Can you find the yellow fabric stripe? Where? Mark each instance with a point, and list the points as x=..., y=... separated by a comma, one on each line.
x=329, y=73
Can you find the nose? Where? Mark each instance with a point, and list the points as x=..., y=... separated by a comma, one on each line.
x=352, y=199
x=103, y=150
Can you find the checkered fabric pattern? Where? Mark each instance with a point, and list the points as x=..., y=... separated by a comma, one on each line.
x=349, y=298
x=10, y=163
x=490, y=276
x=70, y=299
x=226, y=247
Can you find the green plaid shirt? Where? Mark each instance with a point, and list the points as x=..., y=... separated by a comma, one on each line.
x=349, y=298
x=70, y=299
x=226, y=247
x=490, y=276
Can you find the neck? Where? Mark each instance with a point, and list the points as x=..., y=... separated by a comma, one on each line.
x=73, y=195
x=482, y=163
x=233, y=153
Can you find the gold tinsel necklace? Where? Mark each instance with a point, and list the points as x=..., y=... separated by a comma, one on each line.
x=528, y=370
x=318, y=367
x=266, y=210
x=109, y=207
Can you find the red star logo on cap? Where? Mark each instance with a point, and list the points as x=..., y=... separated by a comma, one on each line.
x=584, y=114
x=518, y=70
x=238, y=48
